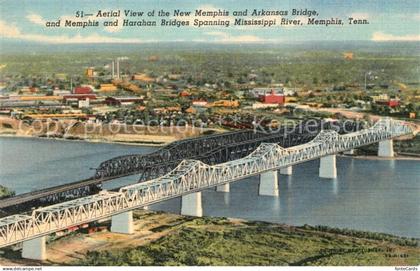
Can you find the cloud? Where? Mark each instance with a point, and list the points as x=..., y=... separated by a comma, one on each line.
x=114, y=29
x=206, y=8
x=11, y=31
x=110, y=29
x=232, y=19
x=360, y=15
x=226, y=38
x=8, y=31
x=381, y=36
x=36, y=19
x=39, y=20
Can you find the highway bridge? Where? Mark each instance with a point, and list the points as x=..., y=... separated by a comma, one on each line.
x=187, y=180
x=211, y=149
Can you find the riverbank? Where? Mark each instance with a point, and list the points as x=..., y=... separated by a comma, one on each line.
x=169, y=239
x=103, y=133
x=142, y=143
x=375, y=157
x=5, y=192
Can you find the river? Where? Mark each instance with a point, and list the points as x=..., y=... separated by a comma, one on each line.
x=373, y=195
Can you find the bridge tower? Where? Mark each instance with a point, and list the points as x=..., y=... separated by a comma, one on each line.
x=286, y=170
x=191, y=204
x=349, y=152
x=223, y=188
x=269, y=184
x=386, y=148
x=35, y=249
x=327, y=167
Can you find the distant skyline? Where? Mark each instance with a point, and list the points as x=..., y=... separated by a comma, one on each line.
x=388, y=21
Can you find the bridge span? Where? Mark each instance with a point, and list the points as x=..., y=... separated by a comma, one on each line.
x=187, y=180
x=210, y=149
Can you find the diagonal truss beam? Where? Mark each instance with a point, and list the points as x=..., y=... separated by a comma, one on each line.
x=189, y=176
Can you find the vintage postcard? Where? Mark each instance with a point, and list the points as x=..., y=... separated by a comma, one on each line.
x=209, y=133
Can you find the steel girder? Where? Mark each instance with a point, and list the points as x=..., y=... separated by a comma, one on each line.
x=211, y=149
x=198, y=147
x=189, y=176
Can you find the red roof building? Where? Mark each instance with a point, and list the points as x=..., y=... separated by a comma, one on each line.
x=390, y=102
x=184, y=94
x=272, y=98
x=82, y=90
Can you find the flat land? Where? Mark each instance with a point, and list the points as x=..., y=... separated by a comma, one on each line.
x=107, y=133
x=169, y=239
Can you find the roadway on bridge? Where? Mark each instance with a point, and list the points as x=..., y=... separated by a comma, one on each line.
x=211, y=149
x=188, y=177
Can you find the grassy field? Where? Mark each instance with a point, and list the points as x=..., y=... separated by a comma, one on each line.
x=219, y=241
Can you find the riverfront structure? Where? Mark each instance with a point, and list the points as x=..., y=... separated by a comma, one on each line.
x=187, y=180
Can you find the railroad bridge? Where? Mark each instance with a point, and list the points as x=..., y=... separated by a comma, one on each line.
x=187, y=180
x=210, y=149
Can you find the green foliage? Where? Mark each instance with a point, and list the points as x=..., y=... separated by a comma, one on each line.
x=211, y=241
x=6, y=192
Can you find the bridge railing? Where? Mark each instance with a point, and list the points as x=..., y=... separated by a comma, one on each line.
x=189, y=176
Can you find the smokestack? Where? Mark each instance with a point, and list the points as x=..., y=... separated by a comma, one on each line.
x=113, y=68
x=118, y=68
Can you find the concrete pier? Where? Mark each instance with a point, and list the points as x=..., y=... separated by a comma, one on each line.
x=327, y=167
x=286, y=170
x=191, y=204
x=223, y=188
x=35, y=249
x=386, y=148
x=269, y=185
x=123, y=223
x=349, y=152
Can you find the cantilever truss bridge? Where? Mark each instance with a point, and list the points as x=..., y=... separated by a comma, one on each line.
x=189, y=176
x=211, y=149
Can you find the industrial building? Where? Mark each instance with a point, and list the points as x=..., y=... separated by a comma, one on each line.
x=272, y=98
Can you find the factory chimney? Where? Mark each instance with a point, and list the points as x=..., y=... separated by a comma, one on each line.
x=113, y=68
x=118, y=68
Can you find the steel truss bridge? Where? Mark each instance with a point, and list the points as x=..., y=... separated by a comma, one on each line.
x=188, y=177
x=212, y=149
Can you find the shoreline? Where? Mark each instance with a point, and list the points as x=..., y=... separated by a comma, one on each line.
x=373, y=157
x=161, y=144
x=145, y=144
x=169, y=232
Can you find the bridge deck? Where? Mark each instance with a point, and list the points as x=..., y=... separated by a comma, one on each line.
x=216, y=148
x=189, y=176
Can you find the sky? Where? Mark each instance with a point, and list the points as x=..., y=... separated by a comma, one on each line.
x=388, y=21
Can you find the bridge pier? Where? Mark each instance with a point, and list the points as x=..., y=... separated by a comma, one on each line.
x=286, y=170
x=223, y=188
x=191, y=204
x=349, y=152
x=35, y=249
x=386, y=148
x=327, y=167
x=269, y=185
x=123, y=223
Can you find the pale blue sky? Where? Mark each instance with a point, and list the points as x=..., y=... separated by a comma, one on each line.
x=389, y=21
